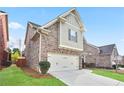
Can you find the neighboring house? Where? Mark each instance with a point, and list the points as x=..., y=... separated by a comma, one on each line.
x=122, y=61
x=108, y=56
x=60, y=41
x=4, y=37
x=104, y=56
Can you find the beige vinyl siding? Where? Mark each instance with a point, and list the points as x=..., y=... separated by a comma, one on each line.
x=71, y=18
x=64, y=27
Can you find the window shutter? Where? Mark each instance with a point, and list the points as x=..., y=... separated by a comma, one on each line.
x=76, y=37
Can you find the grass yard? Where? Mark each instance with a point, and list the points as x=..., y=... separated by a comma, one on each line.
x=109, y=73
x=14, y=76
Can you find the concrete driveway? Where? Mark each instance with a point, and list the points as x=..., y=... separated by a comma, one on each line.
x=85, y=77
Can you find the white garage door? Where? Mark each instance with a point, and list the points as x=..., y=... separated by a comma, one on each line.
x=60, y=62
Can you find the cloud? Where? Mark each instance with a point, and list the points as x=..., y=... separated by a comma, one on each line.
x=15, y=25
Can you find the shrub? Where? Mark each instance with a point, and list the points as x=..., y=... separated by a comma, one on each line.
x=90, y=65
x=6, y=63
x=121, y=65
x=15, y=56
x=114, y=66
x=44, y=66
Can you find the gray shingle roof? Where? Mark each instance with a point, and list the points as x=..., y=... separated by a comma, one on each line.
x=107, y=49
x=2, y=11
x=34, y=24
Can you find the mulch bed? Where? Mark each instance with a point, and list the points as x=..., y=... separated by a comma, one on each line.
x=1, y=68
x=35, y=74
x=119, y=71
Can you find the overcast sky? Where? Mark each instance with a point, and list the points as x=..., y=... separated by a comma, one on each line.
x=104, y=25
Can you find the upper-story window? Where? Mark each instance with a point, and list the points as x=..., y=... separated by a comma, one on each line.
x=72, y=35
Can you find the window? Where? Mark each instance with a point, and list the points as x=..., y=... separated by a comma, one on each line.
x=72, y=35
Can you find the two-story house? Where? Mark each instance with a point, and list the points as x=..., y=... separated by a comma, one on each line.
x=4, y=37
x=60, y=41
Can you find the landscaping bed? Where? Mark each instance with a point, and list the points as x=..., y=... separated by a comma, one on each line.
x=35, y=74
x=14, y=76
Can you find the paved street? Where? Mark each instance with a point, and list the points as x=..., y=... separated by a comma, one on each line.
x=85, y=77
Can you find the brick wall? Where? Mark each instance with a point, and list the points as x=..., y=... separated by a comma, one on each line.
x=94, y=53
x=50, y=43
x=104, y=61
x=3, y=38
x=32, y=49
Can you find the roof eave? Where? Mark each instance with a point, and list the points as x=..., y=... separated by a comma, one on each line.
x=31, y=24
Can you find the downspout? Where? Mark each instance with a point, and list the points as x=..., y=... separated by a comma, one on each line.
x=39, y=46
x=39, y=50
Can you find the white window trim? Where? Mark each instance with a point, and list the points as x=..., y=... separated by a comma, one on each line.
x=73, y=26
x=76, y=35
x=64, y=46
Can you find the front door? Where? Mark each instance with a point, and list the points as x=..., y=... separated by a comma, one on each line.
x=83, y=65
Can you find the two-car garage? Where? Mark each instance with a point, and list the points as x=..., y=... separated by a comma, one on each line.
x=60, y=62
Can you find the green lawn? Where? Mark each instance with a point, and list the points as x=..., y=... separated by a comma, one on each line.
x=14, y=76
x=109, y=73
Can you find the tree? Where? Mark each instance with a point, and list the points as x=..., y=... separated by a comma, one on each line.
x=15, y=54
x=16, y=50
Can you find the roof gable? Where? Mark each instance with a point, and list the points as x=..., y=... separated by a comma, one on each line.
x=107, y=49
x=62, y=17
x=73, y=13
x=58, y=18
x=32, y=25
x=72, y=19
